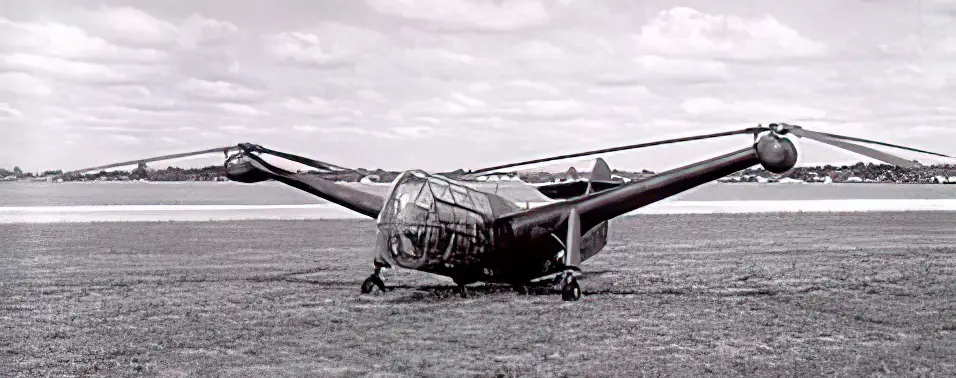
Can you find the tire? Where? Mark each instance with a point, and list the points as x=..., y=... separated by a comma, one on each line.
x=571, y=291
x=371, y=283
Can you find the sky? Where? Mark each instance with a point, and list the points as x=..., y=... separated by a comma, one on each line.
x=446, y=84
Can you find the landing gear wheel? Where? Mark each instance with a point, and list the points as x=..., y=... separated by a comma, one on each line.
x=570, y=291
x=463, y=291
x=371, y=282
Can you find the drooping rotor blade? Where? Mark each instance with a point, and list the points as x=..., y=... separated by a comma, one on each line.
x=303, y=160
x=224, y=150
x=862, y=150
x=751, y=130
x=835, y=136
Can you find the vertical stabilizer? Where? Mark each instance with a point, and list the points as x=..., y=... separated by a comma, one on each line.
x=600, y=172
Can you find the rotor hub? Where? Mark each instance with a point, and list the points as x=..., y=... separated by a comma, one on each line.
x=777, y=154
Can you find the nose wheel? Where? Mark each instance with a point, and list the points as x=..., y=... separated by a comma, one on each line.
x=373, y=281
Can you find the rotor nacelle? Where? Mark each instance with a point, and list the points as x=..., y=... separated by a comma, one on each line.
x=777, y=154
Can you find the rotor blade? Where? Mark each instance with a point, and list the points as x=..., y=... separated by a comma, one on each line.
x=750, y=130
x=834, y=136
x=158, y=158
x=303, y=160
x=862, y=150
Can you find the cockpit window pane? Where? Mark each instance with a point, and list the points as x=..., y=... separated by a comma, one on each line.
x=440, y=190
x=425, y=198
x=460, y=194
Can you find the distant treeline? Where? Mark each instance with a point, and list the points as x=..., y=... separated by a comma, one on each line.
x=845, y=173
x=860, y=172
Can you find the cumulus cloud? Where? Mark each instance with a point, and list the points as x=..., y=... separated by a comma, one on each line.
x=243, y=130
x=748, y=110
x=126, y=139
x=241, y=109
x=129, y=25
x=535, y=86
x=331, y=45
x=22, y=84
x=682, y=69
x=487, y=15
x=7, y=111
x=414, y=131
x=687, y=32
x=463, y=78
x=343, y=130
x=77, y=71
x=58, y=40
x=197, y=30
x=219, y=90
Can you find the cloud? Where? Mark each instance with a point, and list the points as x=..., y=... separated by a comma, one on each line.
x=463, y=78
x=219, y=90
x=197, y=31
x=748, y=110
x=535, y=86
x=343, y=130
x=7, y=111
x=684, y=31
x=467, y=101
x=552, y=106
x=76, y=71
x=58, y=40
x=241, y=109
x=682, y=69
x=463, y=15
x=129, y=25
x=243, y=130
x=22, y=84
x=414, y=131
x=317, y=106
x=456, y=104
x=330, y=45
x=126, y=139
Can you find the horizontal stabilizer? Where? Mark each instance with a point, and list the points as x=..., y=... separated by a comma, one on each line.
x=566, y=190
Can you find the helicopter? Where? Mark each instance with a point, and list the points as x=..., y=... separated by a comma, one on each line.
x=444, y=226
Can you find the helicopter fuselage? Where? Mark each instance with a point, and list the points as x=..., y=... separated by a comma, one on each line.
x=433, y=224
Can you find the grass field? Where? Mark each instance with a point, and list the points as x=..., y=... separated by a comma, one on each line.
x=765, y=294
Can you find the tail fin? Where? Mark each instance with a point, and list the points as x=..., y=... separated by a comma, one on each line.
x=600, y=172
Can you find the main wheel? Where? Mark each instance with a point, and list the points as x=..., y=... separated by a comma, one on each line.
x=371, y=282
x=571, y=291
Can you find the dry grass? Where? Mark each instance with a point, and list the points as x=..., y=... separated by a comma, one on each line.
x=798, y=294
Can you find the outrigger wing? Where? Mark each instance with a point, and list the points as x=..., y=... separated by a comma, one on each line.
x=362, y=202
x=590, y=210
x=248, y=166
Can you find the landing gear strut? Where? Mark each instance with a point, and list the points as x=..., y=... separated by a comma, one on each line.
x=570, y=290
x=374, y=280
